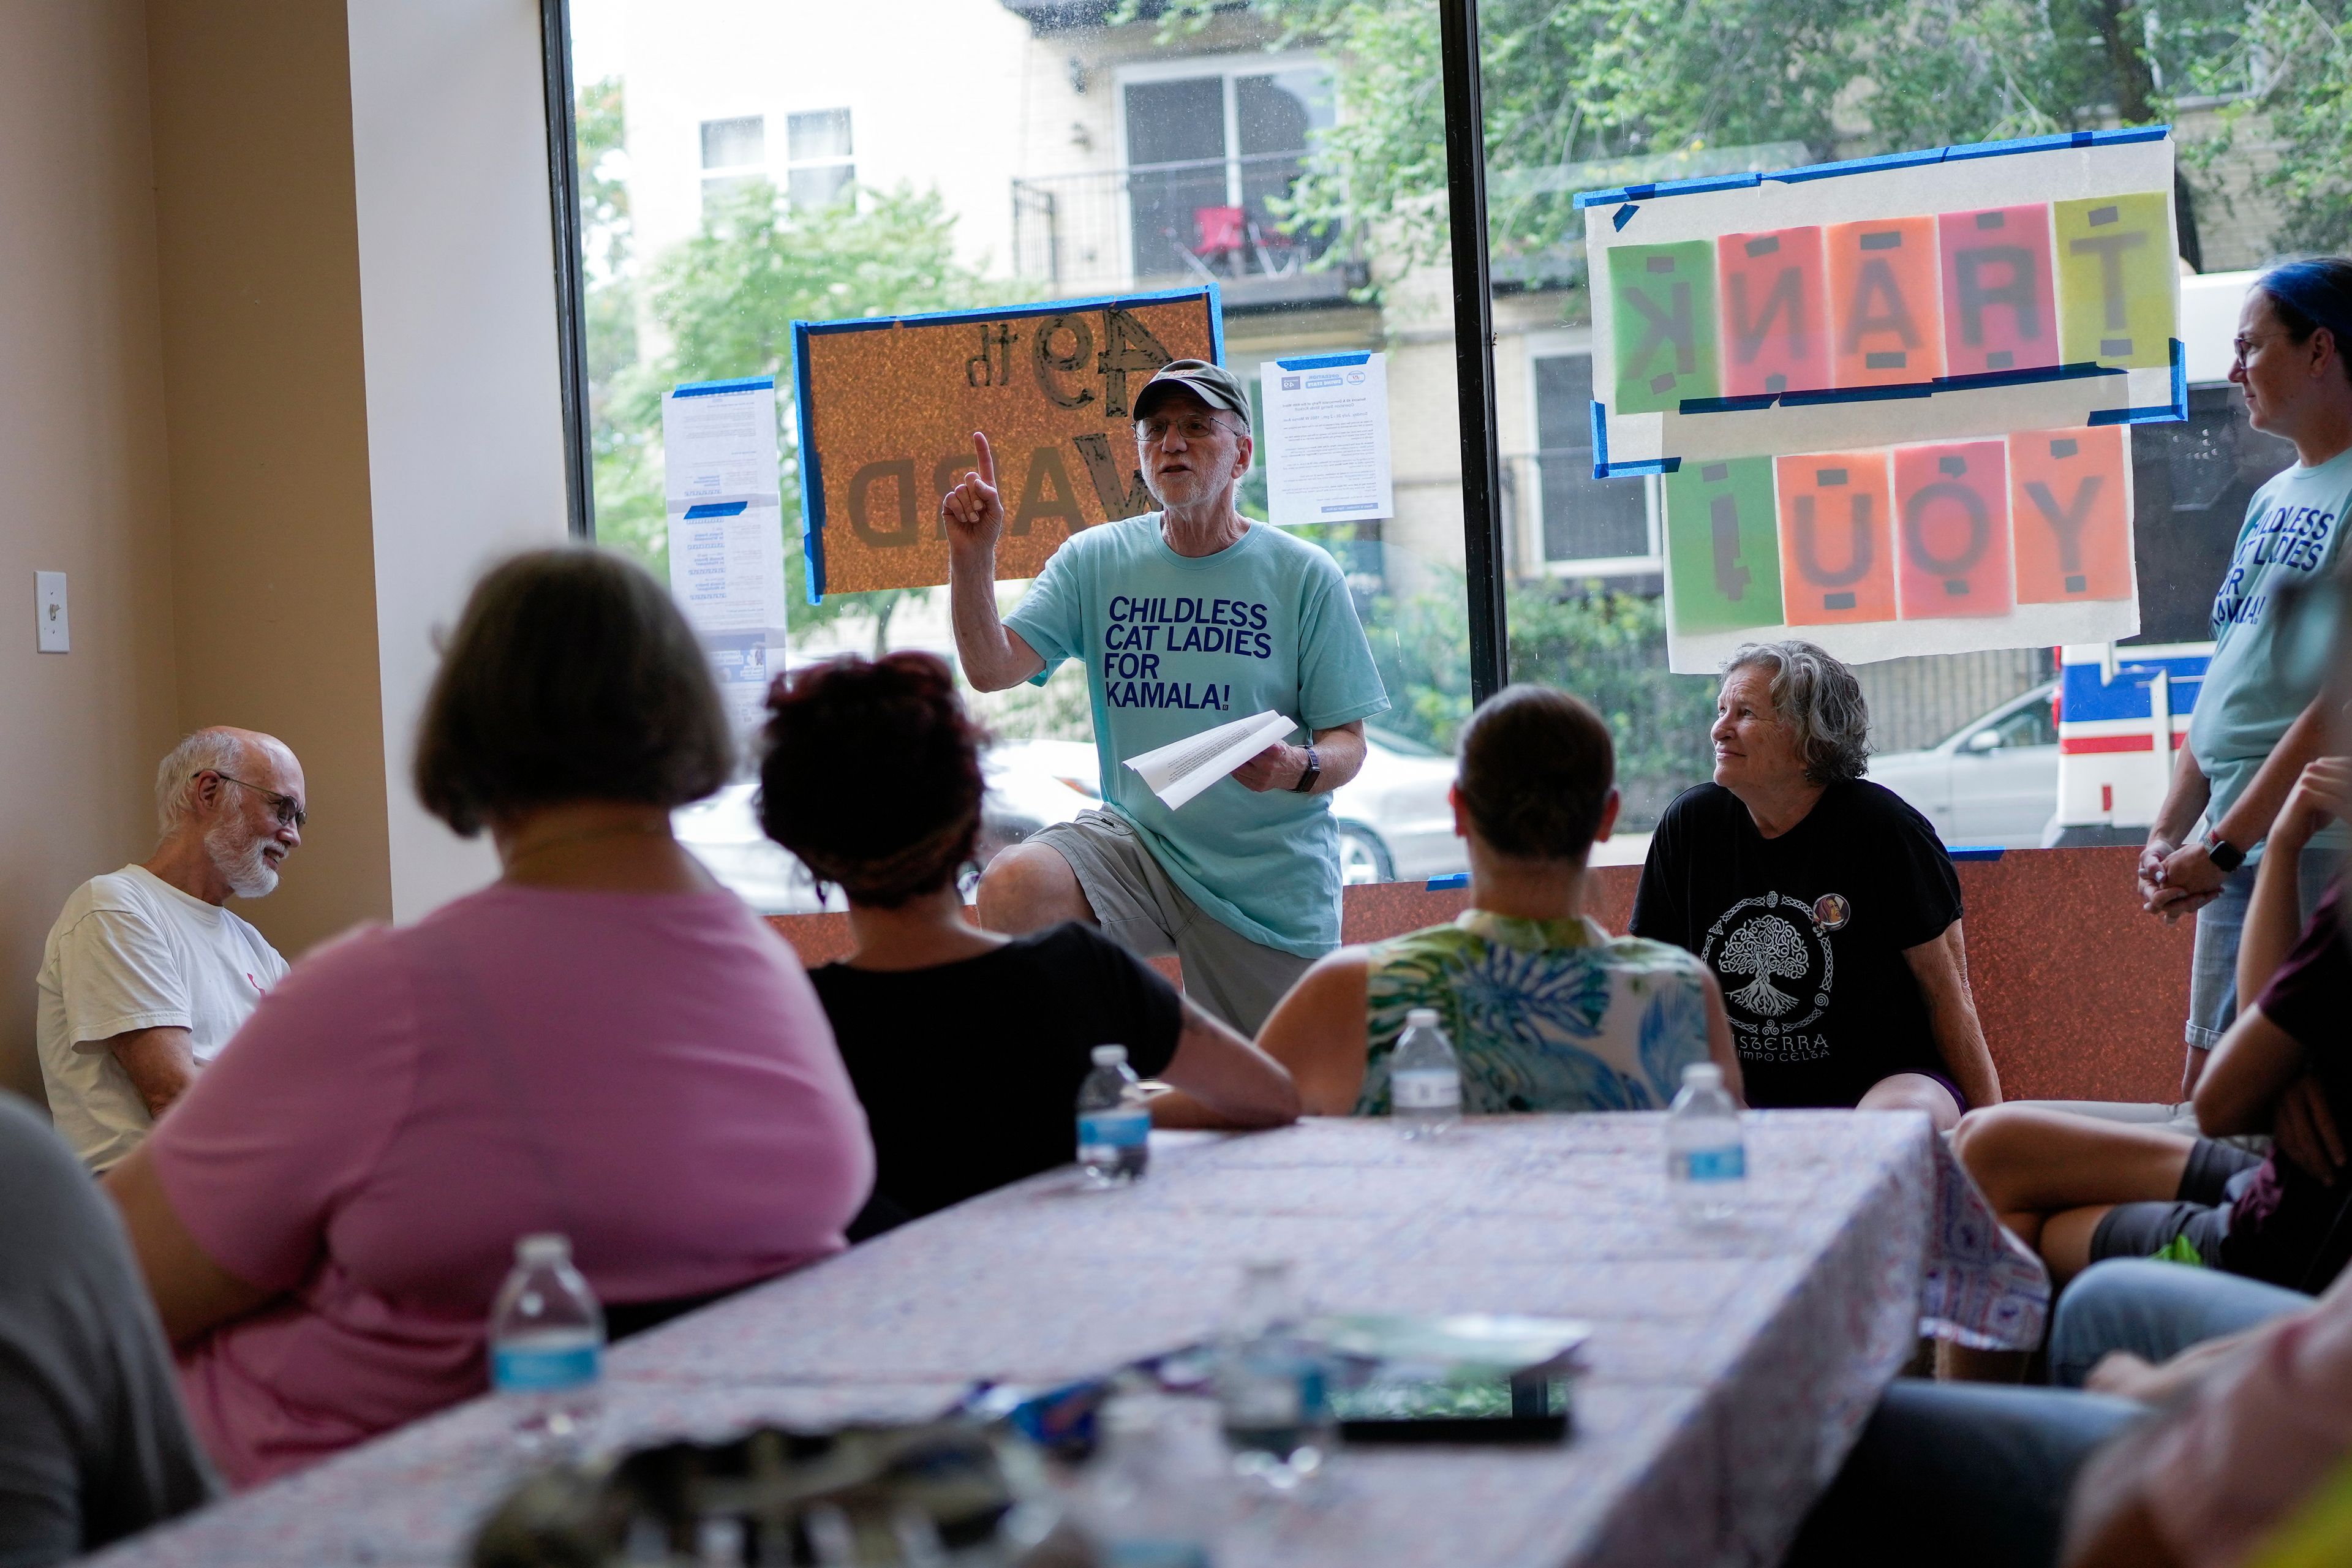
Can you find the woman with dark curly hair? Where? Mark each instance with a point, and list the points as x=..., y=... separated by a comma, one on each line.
x=1823, y=903
x=966, y=1047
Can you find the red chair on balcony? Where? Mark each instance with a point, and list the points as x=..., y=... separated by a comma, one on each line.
x=1223, y=236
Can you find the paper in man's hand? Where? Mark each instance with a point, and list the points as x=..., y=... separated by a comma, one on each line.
x=1182, y=769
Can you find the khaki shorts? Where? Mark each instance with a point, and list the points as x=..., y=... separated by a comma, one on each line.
x=1139, y=908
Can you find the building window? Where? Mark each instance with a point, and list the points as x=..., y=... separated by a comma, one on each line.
x=734, y=154
x=1212, y=148
x=1591, y=527
x=821, y=171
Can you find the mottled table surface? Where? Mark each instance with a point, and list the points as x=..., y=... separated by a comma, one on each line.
x=1729, y=1369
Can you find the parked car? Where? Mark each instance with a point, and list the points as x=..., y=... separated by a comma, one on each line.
x=1026, y=792
x=1393, y=818
x=1394, y=822
x=1993, y=781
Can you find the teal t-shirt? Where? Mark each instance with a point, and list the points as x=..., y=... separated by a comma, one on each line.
x=2291, y=534
x=1175, y=644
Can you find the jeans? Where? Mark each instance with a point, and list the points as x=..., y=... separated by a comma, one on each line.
x=1959, y=1473
x=2155, y=1311
x=1974, y=1473
x=2213, y=963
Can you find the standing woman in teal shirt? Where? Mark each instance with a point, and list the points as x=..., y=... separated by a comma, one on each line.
x=2259, y=719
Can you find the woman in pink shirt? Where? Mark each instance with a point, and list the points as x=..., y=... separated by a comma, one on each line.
x=604, y=1043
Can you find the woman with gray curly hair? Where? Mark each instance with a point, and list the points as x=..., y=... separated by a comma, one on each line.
x=1825, y=905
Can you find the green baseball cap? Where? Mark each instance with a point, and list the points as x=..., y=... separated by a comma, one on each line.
x=1212, y=383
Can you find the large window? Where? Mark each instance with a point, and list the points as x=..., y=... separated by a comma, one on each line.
x=746, y=166
x=1295, y=157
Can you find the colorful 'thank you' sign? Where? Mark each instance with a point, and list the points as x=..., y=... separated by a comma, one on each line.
x=887, y=407
x=1958, y=292
x=1941, y=547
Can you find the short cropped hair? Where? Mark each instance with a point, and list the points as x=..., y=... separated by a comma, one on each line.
x=176, y=775
x=1820, y=702
x=570, y=677
x=1535, y=772
x=872, y=776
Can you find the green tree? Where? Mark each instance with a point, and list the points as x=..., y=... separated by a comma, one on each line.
x=2297, y=57
x=722, y=304
x=1568, y=82
x=1606, y=647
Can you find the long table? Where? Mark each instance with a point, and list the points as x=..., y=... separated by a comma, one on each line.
x=1730, y=1366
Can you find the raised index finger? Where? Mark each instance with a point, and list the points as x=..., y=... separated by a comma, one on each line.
x=987, y=460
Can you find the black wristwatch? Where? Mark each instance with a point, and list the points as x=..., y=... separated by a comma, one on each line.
x=1305, y=783
x=2226, y=857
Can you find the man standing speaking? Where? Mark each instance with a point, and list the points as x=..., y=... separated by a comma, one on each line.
x=1187, y=617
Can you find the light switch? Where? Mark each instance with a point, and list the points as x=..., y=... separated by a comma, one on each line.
x=49, y=603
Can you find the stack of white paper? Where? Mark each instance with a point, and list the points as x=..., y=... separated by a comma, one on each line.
x=1182, y=769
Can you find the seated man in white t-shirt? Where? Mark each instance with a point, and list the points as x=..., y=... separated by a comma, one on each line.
x=145, y=976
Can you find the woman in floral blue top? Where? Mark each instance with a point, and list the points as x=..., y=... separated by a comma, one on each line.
x=1547, y=1010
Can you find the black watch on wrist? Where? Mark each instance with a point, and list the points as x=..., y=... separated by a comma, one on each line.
x=2226, y=857
x=1305, y=783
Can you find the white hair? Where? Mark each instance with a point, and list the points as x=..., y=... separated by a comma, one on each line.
x=175, y=776
x=1820, y=702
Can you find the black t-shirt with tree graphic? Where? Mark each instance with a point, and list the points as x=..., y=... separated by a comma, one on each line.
x=1807, y=932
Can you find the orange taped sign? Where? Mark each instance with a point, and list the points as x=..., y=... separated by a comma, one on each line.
x=1951, y=504
x=1837, y=563
x=2072, y=510
x=887, y=407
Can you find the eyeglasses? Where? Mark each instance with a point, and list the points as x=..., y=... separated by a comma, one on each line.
x=1191, y=427
x=2244, y=347
x=288, y=810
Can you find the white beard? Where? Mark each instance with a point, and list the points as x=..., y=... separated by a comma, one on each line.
x=250, y=874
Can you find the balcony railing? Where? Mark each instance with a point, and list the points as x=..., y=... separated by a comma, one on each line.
x=1163, y=225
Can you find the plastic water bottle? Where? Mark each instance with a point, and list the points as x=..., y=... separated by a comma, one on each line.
x=1706, y=1158
x=1424, y=1078
x=546, y=1345
x=1114, y=1128
x=1271, y=1397
x=1144, y=1503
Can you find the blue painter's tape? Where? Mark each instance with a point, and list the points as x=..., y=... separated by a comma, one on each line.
x=2024, y=377
x=1622, y=216
x=701, y=510
x=1969, y=150
x=1924, y=156
x=1858, y=395
x=713, y=388
x=1216, y=324
x=1600, y=440
x=1974, y=851
x=1858, y=166
x=1324, y=361
x=812, y=474
x=1628, y=470
x=1447, y=884
x=1206, y=293
x=1729, y=404
x=2159, y=413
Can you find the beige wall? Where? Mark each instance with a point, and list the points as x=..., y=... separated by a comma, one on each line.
x=278, y=374
x=273, y=548
x=82, y=473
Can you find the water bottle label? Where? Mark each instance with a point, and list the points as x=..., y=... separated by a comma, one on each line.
x=1114, y=1129
x=1716, y=1164
x=538, y=1370
x=1139, y=1551
x=1425, y=1088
